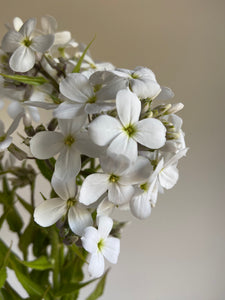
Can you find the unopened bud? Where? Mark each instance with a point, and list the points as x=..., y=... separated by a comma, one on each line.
x=40, y=128
x=29, y=131
x=27, y=120
x=175, y=108
x=172, y=135
x=53, y=124
x=17, y=152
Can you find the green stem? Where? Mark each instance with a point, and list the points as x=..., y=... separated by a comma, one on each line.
x=55, y=257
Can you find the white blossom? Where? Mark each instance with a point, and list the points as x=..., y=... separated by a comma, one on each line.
x=122, y=136
x=23, y=46
x=100, y=245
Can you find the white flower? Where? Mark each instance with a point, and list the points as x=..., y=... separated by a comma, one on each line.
x=141, y=81
x=164, y=176
x=122, y=136
x=50, y=211
x=5, y=137
x=118, y=179
x=24, y=46
x=70, y=143
x=82, y=99
x=100, y=245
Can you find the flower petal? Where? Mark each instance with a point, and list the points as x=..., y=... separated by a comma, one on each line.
x=76, y=87
x=120, y=194
x=42, y=43
x=28, y=27
x=168, y=177
x=103, y=129
x=140, y=206
x=90, y=239
x=50, y=211
x=22, y=59
x=64, y=189
x=111, y=249
x=11, y=41
x=79, y=218
x=105, y=225
x=62, y=37
x=68, y=110
x=96, y=265
x=46, y=144
x=150, y=133
x=128, y=106
x=93, y=187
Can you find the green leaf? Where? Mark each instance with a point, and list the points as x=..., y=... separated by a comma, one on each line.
x=8, y=293
x=72, y=287
x=46, y=167
x=3, y=217
x=3, y=276
x=26, y=79
x=78, y=65
x=41, y=263
x=14, y=220
x=26, y=205
x=27, y=237
x=98, y=292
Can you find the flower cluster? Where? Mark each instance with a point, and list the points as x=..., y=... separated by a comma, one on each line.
x=113, y=140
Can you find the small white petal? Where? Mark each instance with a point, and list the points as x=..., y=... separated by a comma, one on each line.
x=168, y=177
x=79, y=218
x=128, y=107
x=15, y=108
x=96, y=265
x=42, y=43
x=105, y=208
x=150, y=133
x=86, y=146
x=93, y=187
x=14, y=124
x=90, y=239
x=105, y=225
x=140, y=206
x=64, y=189
x=46, y=144
x=165, y=94
x=68, y=110
x=17, y=23
x=11, y=41
x=123, y=145
x=22, y=60
x=76, y=87
x=111, y=249
x=103, y=129
x=50, y=211
x=68, y=163
x=48, y=24
x=5, y=143
x=70, y=127
x=28, y=27
x=120, y=194
x=62, y=38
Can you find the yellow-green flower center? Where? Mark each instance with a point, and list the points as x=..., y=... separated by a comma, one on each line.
x=130, y=130
x=92, y=99
x=144, y=186
x=134, y=76
x=70, y=203
x=100, y=245
x=69, y=140
x=26, y=42
x=2, y=138
x=114, y=178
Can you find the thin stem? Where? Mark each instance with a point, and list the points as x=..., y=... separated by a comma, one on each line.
x=55, y=257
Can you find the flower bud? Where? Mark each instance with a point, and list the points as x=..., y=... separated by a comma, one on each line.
x=175, y=108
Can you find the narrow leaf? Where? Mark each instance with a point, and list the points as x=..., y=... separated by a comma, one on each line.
x=26, y=79
x=72, y=287
x=41, y=263
x=98, y=292
x=26, y=205
x=46, y=167
x=78, y=65
x=3, y=276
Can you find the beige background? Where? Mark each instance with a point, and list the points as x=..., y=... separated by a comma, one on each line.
x=178, y=253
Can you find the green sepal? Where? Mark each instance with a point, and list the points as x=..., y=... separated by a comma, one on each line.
x=78, y=65
x=98, y=291
x=26, y=79
x=41, y=263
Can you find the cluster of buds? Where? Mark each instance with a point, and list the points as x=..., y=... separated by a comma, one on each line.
x=113, y=141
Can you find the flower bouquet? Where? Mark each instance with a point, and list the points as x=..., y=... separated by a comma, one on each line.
x=112, y=142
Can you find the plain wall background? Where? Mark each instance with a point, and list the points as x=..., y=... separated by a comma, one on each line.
x=178, y=253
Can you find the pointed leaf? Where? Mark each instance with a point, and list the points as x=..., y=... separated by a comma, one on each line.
x=72, y=287
x=3, y=276
x=46, y=167
x=77, y=67
x=98, y=292
x=41, y=263
x=26, y=205
x=26, y=79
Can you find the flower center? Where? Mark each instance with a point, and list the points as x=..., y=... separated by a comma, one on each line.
x=114, y=178
x=144, y=187
x=26, y=42
x=69, y=140
x=134, y=76
x=92, y=99
x=100, y=245
x=130, y=130
x=70, y=202
x=2, y=138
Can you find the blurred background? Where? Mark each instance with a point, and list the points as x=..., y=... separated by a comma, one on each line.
x=179, y=251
